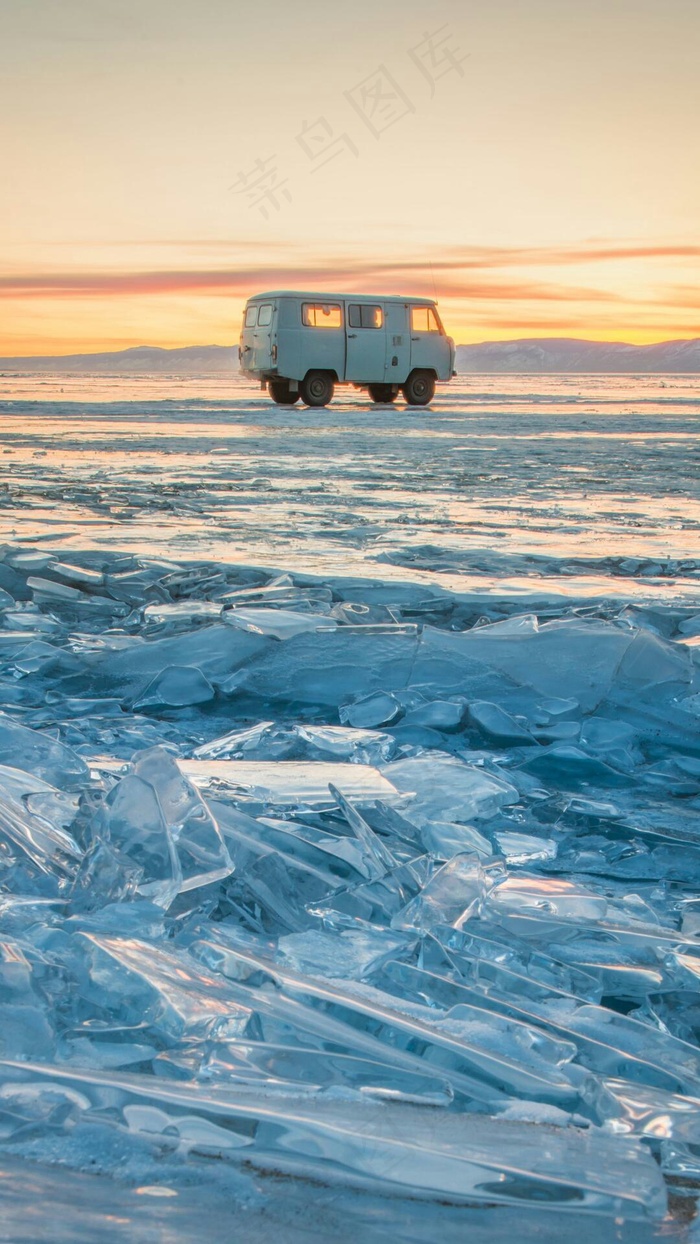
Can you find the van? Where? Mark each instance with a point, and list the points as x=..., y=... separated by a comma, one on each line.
x=301, y=345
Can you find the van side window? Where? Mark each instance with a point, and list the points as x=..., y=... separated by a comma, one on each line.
x=321, y=315
x=362, y=315
x=265, y=314
x=424, y=320
x=251, y=316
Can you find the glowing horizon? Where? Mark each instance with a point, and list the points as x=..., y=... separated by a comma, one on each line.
x=533, y=175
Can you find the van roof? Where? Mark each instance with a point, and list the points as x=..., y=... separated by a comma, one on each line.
x=325, y=296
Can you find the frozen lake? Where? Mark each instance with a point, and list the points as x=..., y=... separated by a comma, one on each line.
x=519, y=483
x=349, y=798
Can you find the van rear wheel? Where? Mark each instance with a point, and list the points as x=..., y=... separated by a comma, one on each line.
x=317, y=388
x=419, y=389
x=383, y=392
x=281, y=393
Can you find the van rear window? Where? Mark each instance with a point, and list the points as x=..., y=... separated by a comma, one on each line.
x=251, y=316
x=265, y=314
x=364, y=315
x=321, y=315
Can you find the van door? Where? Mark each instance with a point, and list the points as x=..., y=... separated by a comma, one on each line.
x=430, y=347
x=246, y=341
x=398, y=343
x=262, y=343
x=366, y=342
x=322, y=342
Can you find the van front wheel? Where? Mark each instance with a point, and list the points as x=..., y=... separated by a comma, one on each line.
x=382, y=392
x=281, y=393
x=317, y=388
x=419, y=389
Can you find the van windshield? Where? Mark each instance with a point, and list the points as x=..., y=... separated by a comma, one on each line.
x=424, y=320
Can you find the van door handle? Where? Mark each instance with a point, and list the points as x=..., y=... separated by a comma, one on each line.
x=415, y=338
x=352, y=334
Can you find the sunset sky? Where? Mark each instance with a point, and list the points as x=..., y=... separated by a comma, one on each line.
x=532, y=163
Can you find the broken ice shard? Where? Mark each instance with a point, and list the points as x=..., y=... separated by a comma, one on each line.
x=157, y=818
x=289, y=1067
x=175, y=687
x=201, y=851
x=39, y=834
x=452, y=895
x=474, y=1063
x=277, y=623
x=40, y=755
x=444, y=788
x=132, y=821
x=498, y=725
x=370, y=711
x=217, y=651
x=437, y=714
x=290, y=782
x=164, y=989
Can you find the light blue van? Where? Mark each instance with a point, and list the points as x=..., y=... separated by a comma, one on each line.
x=301, y=345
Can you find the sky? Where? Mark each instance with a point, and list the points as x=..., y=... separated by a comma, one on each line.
x=533, y=164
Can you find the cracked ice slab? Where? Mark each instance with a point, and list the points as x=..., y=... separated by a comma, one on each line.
x=284, y=781
x=432, y=1152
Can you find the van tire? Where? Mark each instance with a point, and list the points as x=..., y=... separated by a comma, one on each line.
x=317, y=388
x=383, y=392
x=281, y=393
x=419, y=389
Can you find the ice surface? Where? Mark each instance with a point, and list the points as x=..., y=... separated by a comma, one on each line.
x=348, y=881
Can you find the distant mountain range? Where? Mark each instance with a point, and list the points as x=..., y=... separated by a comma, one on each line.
x=567, y=354
x=140, y=360
x=537, y=354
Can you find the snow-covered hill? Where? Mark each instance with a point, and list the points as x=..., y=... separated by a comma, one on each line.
x=568, y=354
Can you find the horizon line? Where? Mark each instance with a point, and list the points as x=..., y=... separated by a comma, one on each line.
x=666, y=341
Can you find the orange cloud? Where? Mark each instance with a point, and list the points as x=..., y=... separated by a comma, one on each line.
x=564, y=255
x=683, y=296
x=245, y=280
x=485, y=291
x=594, y=251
